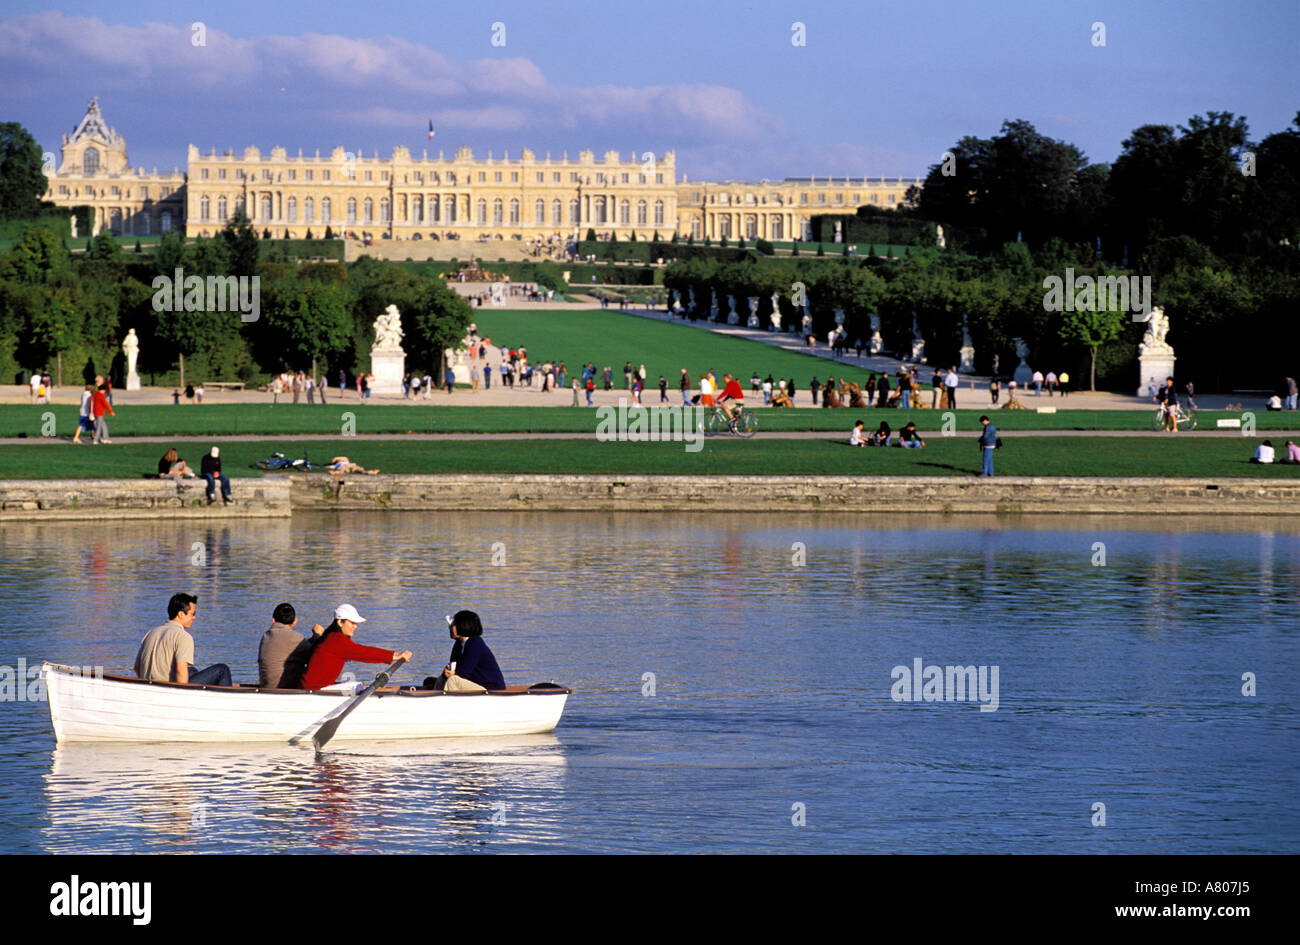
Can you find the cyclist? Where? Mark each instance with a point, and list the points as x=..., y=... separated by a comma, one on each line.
x=731, y=390
x=1168, y=400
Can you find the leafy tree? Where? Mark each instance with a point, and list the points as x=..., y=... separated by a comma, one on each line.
x=38, y=257
x=305, y=321
x=104, y=246
x=22, y=175
x=241, y=244
x=1092, y=329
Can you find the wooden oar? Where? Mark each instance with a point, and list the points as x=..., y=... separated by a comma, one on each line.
x=327, y=730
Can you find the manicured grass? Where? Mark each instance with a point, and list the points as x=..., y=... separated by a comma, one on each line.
x=613, y=338
x=464, y=417
x=943, y=456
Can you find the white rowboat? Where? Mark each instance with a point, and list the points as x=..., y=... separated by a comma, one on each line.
x=90, y=708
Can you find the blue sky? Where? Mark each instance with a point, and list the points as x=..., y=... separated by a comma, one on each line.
x=879, y=89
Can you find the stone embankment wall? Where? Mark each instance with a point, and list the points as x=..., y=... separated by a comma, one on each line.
x=50, y=500
x=281, y=495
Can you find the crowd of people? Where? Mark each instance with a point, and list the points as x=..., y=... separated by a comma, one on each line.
x=286, y=659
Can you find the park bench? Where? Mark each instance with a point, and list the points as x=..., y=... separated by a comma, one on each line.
x=224, y=385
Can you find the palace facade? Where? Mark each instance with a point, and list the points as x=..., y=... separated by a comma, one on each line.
x=465, y=197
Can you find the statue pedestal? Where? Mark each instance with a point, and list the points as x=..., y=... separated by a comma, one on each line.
x=133, y=382
x=752, y=322
x=389, y=368
x=1024, y=375
x=1157, y=364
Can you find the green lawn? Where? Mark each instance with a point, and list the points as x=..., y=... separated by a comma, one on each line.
x=944, y=456
x=612, y=338
x=373, y=418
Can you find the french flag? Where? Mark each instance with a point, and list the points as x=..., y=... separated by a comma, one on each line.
x=430, y=130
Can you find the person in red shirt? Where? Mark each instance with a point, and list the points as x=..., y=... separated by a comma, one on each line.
x=99, y=406
x=730, y=391
x=336, y=647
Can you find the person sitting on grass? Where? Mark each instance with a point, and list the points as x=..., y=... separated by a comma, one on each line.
x=855, y=436
x=171, y=466
x=782, y=399
x=1292, y=454
x=341, y=465
x=1263, y=453
x=882, y=434
x=830, y=397
x=909, y=437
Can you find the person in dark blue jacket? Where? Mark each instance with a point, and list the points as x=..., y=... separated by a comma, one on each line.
x=988, y=443
x=472, y=667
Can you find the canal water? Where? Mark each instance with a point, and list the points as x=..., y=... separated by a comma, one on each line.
x=741, y=684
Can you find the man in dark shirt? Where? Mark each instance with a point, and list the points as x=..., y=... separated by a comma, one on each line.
x=883, y=390
x=283, y=653
x=988, y=443
x=210, y=469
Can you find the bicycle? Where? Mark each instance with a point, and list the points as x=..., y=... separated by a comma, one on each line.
x=279, y=461
x=744, y=423
x=1183, y=419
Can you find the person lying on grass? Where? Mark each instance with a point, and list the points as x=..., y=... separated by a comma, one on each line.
x=341, y=465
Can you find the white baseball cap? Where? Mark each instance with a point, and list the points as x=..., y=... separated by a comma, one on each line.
x=348, y=612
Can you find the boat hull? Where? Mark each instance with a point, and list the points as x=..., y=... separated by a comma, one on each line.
x=88, y=708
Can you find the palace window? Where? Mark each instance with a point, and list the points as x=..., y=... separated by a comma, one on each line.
x=624, y=212
x=325, y=210
x=659, y=178
x=626, y=178
x=205, y=205
x=90, y=161
x=383, y=210
x=115, y=191
x=555, y=177
x=144, y=224
x=63, y=189
x=482, y=211
x=695, y=196
x=293, y=175
x=309, y=210
x=368, y=211
x=307, y=174
x=203, y=174
x=482, y=176
x=659, y=213
x=875, y=198
x=165, y=222
x=221, y=173
x=266, y=209
x=419, y=178
x=293, y=209
x=266, y=173
x=821, y=198
x=222, y=213
x=573, y=177
x=891, y=198
x=514, y=177
x=724, y=226
x=417, y=209
x=839, y=198
x=435, y=209
x=557, y=212
x=496, y=177
x=514, y=211
x=598, y=214
x=857, y=198
x=573, y=211
x=452, y=212
x=496, y=211
x=541, y=177
x=640, y=213
x=695, y=229
x=751, y=227
x=383, y=175
x=352, y=209
x=539, y=213
x=778, y=228
x=324, y=175
x=803, y=198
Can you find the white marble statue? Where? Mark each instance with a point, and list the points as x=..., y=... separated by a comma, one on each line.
x=877, y=343
x=939, y=238
x=752, y=321
x=967, y=349
x=918, y=343
x=388, y=330
x=131, y=348
x=1024, y=374
x=732, y=317
x=713, y=305
x=1155, y=354
x=691, y=308
x=72, y=222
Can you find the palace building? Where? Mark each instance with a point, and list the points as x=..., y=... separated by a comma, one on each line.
x=423, y=197
x=94, y=171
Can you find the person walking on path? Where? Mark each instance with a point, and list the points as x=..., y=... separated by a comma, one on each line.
x=99, y=407
x=936, y=388
x=84, y=422
x=685, y=385
x=988, y=443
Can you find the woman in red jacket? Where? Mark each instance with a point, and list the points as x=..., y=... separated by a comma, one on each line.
x=336, y=647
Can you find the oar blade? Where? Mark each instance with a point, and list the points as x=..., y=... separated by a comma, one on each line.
x=330, y=726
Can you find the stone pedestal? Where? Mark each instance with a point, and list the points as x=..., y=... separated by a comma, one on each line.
x=133, y=382
x=1158, y=364
x=388, y=368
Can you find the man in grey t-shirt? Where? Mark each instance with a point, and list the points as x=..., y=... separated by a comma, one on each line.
x=283, y=654
x=167, y=651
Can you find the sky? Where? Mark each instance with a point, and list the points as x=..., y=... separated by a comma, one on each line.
x=873, y=89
